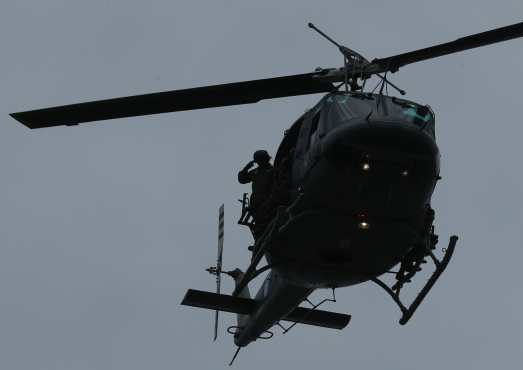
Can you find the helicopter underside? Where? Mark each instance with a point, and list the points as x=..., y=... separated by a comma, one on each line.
x=361, y=210
x=343, y=253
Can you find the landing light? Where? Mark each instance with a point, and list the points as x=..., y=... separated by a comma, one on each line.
x=405, y=173
x=364, y=225
x=365, y=166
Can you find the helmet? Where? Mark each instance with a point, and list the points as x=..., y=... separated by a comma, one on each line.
x=261, y=156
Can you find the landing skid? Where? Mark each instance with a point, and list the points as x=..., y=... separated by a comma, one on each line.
x=395, y=290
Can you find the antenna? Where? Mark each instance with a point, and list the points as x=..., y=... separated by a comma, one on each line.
x=235, y=354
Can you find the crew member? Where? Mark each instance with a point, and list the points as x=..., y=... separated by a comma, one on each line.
x=262, y=178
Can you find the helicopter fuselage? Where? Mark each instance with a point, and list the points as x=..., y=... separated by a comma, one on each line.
x=362, y=186
x=363, y=171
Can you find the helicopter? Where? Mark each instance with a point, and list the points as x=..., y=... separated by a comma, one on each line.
x=358, y=171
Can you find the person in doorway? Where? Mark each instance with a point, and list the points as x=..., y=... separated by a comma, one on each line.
x=262, y=179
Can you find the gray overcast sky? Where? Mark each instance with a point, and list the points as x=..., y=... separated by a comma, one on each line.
x=103, y=227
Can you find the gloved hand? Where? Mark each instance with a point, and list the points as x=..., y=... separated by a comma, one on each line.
x=249, y=165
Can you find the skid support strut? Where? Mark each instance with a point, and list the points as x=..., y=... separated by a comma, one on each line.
x=260, y=247
x=440, y=267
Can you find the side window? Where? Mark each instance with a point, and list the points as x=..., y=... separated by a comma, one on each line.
x=313, y=135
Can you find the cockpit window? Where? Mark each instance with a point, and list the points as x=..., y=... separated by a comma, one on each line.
x=340, y=108
x=314, y=129
x=416, y=114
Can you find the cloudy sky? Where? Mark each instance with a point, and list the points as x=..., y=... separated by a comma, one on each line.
x=103, y=227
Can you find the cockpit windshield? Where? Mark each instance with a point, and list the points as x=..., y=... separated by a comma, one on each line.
x=341, y=107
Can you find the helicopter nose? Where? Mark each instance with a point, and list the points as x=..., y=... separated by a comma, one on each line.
x=376, y=170
x=380, y=139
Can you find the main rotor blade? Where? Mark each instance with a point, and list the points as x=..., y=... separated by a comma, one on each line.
x=178, y=100
x=469, y=42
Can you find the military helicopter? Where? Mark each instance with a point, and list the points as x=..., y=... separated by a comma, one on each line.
x=356, y=174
